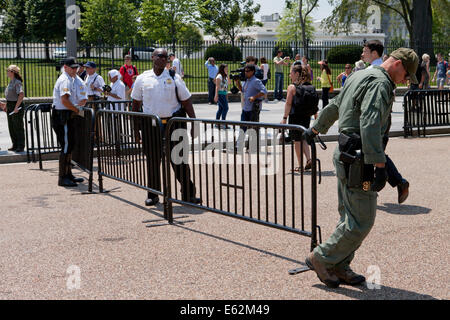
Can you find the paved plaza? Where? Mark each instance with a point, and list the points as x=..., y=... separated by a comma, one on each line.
x=116, y=248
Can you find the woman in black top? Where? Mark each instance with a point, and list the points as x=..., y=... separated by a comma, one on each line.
x=299, y=75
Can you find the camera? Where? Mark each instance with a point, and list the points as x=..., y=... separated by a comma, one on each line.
x=106, y=88
x=239, y=74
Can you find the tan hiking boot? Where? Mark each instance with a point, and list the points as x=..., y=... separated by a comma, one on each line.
x=348, y=276
x=330, y=279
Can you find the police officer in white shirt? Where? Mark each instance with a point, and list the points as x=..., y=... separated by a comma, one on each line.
x=154, y=90
x=65, y=97
x=117, y=92
x=94, y=82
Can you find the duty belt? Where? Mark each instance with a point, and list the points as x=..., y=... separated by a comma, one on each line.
x=165, y=120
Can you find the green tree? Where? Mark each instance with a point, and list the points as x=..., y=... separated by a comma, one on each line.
x=14, y=22
x=224, y=19
x=46, y=21
x=441, y=18
x=164, y=20
x=290, y=28
x=304, y=9
x=191, y=39
x=109, y=22
x=3, y=5
x=412, y=12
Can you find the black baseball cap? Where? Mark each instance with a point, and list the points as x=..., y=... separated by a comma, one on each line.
x=71, y=62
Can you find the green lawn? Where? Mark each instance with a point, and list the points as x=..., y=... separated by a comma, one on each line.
x=40, y=76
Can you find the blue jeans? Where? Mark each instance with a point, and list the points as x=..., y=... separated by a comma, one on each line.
x=245, y=116
x=279, y=78
x=394, y=177
x=223, y=107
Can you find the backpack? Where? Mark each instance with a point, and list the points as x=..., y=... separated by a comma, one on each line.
x=259, y=74
x=269, y=75
x=125, y=69
x=306, y=100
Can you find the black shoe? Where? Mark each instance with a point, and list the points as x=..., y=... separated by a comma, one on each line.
x=12, y=148
x=66, y=182
x=20, y=150
x=403, y=191
x=75, y=179
x=193, y=200
x=152, y=201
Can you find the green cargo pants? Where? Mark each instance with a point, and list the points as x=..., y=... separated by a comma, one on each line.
x=15, y=125
x=357, y=215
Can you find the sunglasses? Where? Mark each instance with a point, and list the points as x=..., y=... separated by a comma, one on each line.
x=161, y=55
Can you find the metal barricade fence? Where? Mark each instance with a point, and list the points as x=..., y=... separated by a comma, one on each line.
x=425, y=108
x=40, y=137
x=83, y=151
x=258, y=185
x=128, y=143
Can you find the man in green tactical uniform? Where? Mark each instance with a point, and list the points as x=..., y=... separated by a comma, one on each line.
x=363, y=108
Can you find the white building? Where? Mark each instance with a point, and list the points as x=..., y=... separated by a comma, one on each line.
x=322, y=41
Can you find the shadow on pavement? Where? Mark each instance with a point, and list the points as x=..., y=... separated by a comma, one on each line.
x=394, y=208
x=384, y=293
x=324, y=173
x=243, y=245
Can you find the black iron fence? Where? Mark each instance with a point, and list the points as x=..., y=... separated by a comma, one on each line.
x=41, y=64
x=425, y=108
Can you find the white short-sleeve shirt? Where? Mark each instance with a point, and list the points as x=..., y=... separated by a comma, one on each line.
x=80, y=91
x=98, y=82
x=177, y=64
x=157, y=93
x=118, y=88
x=65, y=85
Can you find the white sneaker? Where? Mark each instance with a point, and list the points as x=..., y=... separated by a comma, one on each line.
x=283, y=100
x=275, y=100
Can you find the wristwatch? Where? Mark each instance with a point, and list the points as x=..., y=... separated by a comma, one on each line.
x=284, y=118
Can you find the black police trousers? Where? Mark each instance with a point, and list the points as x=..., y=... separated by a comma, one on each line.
x=151, y=140
x=64, y=128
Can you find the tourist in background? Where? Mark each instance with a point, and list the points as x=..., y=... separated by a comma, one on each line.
x=265, y=68
x=222, y=82
x=325, y=81
x=210, y=64
x=279, y=75
x=425, y=72
x=344, y=75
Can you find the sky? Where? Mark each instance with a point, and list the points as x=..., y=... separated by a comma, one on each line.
x=272, y=6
